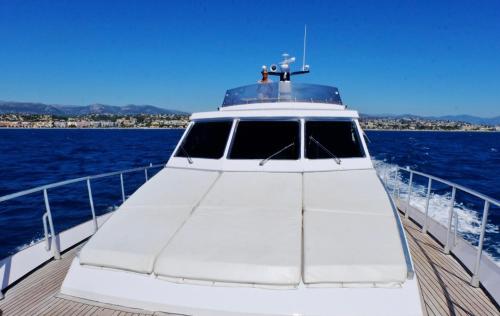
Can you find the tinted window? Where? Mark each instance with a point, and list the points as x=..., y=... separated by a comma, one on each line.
x=261, y=139
x=205, y=140
x=340, y=138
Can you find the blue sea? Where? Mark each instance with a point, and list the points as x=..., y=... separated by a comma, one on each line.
x=34, y=157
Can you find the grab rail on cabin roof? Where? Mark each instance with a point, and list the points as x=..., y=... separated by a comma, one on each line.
x=488, y=201
x=48, y=224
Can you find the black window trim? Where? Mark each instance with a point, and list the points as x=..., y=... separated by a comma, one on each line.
x=334, y=119
x=302, y=121
x=266, y=119
x=190, y=126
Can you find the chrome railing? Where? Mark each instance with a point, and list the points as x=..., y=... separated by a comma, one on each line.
x=488, y=201
x=48, y=223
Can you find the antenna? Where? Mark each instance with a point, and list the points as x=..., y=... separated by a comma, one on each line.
x=304, y=53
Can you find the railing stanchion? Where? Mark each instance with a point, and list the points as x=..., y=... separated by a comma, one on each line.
x=55, y=249
x=447, y=247
x=123, y=187
x=475, y=274
x=407, y=209
x=146, y=174
x=426, y=220
x=46, y=231
x=91, y=201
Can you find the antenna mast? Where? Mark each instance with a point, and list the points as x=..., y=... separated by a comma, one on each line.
x=283, y=70
x=304, y=53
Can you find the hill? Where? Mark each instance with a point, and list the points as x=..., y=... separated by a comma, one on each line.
x=74, y=110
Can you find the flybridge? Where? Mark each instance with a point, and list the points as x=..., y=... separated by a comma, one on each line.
x=266, y=91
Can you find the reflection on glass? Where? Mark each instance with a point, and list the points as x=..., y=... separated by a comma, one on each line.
x=282, y=92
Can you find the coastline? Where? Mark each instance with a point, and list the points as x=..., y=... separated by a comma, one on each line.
x=182, y=128
x=90, y=128
x=428, y=130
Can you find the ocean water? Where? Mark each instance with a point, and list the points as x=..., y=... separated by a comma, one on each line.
x=468, y=159
x=30, y=158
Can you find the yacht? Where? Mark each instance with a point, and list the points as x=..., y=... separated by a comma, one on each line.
x=270, y=205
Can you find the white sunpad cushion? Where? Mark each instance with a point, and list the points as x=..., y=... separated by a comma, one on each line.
x=173, y=186
x=133, y=237
x=237, y=241
x=351, y=248
x=256, y=190
x=353, y=190
x=350, y=233
x=241, y=246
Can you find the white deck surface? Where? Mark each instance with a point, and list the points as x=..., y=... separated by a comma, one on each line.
x=143, y=291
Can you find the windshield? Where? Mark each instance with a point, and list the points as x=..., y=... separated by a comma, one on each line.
x=266, y=140
x=327, y=139
x=282, y=92
x=205, y=140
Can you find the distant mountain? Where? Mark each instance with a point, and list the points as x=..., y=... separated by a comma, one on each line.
x=470, y=119
x=457, y=118
x=72, y=110
x=132, y=109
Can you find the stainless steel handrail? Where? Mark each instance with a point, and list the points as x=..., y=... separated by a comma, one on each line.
x=488, y=201
x=452, y=184
x=66, y=182
x=47, y=216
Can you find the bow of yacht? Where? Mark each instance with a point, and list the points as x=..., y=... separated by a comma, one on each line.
x=270, y=205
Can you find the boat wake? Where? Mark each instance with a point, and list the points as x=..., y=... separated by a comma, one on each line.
x=468, y=219
x=26, y=245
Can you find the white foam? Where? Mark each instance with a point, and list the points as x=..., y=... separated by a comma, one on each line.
x=469, y=220
x=26, y=245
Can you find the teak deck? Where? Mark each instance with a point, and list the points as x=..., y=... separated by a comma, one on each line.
x=443, y=282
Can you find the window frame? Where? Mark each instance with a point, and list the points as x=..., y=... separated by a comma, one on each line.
x=353, y=122
x=189, y=129
x=298, y=120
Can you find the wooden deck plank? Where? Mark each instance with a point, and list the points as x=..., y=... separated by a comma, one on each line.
x=459, y=282
x=71, y=309
x=52, y=308
x=90, y=311
x=434, y=292
x=49, y=277
x=443, y=283
x=83, y=310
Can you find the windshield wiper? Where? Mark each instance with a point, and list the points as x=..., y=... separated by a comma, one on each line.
x=337, y=160
x=263, y=161
x=187, y=154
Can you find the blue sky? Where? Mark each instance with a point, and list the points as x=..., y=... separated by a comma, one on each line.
x=420, y=57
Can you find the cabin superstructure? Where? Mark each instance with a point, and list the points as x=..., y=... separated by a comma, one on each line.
x=274, y=196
